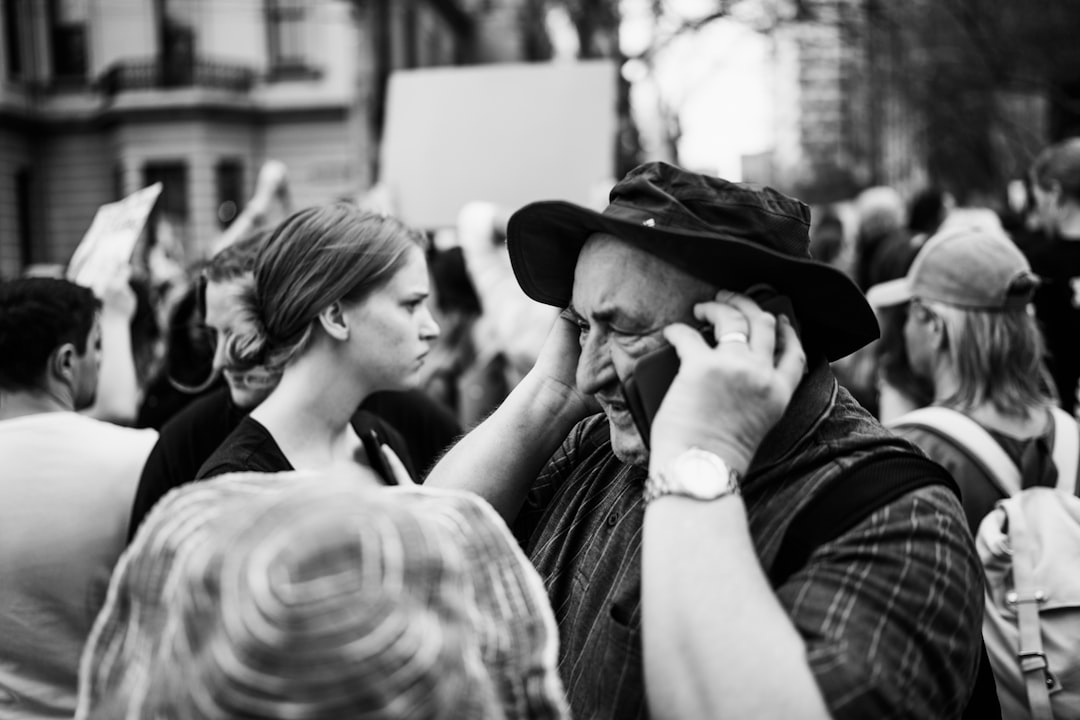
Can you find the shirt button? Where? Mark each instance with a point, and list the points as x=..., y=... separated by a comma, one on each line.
x=612, y=519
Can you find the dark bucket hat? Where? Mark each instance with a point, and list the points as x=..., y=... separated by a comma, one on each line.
x=731, y=234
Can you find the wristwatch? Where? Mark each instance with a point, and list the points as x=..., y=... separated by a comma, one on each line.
x=694, y=473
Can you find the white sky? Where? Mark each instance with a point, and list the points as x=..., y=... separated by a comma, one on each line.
x=719, y=79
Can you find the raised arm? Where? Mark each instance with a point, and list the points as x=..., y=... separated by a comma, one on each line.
x=717, y=642
x=118, y=386
x=501, y=457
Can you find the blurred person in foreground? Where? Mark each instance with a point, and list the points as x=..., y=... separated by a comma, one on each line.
x=322, y=596
x=65, y=488
x=970, y=335
x=415, y=428
x=656, y=555
x=1053, y=249
x=338, y=306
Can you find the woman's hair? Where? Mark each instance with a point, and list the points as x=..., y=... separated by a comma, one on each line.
x=997, y=356
x=314, y=258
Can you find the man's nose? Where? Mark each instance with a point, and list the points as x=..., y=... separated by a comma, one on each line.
x=595, y=369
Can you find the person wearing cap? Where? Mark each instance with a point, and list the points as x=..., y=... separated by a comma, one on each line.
x=1053, y=249
x=655, y=556
x=969, y=332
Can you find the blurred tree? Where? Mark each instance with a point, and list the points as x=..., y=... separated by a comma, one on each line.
x=596, y=24
x=976, y=85
x=988, y=82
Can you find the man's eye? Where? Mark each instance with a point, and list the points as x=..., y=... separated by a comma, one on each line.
x=627, y=334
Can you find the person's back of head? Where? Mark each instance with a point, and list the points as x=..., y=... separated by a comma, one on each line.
x=973, y=287
x=927, y=210
x=316, y=257
x=827, y=238
x=879, y=227
x=295, y=595
x=42, y=320
x=1059, y=164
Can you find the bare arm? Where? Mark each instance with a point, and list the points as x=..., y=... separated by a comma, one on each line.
x=118, y=386
x=501, y=457
x=717, y=642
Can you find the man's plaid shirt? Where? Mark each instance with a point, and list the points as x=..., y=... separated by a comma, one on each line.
x=890, y=611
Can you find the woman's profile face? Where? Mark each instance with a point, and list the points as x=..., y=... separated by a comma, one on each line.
x=392, y=329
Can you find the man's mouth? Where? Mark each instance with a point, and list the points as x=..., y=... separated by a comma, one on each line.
x=612, y=404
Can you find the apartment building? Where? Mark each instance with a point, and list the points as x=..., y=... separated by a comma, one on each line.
x=101, y=97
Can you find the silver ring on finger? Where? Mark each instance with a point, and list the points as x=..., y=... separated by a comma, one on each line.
x=736, y=336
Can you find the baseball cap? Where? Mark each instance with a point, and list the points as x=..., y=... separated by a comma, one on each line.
x=974, y=268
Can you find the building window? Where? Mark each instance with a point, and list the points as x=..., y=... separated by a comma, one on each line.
x=230, y=188
x=286, y=37
x=169, y=220
x=173, y=200
x=12, y=40
x=68, y=34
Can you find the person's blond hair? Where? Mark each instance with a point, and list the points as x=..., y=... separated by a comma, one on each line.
x=997, y=357
x=314, y=258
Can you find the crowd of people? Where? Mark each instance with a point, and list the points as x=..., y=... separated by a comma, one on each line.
x=373, y=476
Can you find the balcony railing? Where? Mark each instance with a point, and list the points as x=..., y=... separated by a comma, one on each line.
x=155, y=74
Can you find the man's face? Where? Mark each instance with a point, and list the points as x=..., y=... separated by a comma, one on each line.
x=87, y=367
x=623, y=297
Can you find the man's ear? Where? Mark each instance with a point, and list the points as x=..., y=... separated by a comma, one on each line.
x=61, y=364
x=334, y=322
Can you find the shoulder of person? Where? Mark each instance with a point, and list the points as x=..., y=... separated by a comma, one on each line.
x=208, y=408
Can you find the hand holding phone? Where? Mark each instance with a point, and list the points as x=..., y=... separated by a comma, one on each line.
x=653, y=373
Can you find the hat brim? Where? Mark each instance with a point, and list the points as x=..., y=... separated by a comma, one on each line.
x=889, y=294
x=544, y=240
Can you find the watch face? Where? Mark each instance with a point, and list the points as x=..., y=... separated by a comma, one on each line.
x=702, y=476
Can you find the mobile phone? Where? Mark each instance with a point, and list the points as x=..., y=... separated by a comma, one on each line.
x=651, y=377
x=373, y=448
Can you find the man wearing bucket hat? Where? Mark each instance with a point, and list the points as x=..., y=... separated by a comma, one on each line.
x=969, y=333
x=659, y=557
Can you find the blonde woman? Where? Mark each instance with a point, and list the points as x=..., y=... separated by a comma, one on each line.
x=339, y=304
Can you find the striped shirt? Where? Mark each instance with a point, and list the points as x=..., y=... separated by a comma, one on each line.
x=890, y=611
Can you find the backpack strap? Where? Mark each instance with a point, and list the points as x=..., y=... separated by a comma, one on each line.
x=1026, y=599
x=860, y=490
x=1066, y=450
x=971, y=437
x=866, y=486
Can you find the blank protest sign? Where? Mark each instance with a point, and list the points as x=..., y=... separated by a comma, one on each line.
x=508, y=134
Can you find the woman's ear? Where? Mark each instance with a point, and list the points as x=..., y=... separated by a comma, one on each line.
x=333, y=321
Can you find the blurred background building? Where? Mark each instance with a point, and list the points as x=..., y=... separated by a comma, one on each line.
x=101, y=97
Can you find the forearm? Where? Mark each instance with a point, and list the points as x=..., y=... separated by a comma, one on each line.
x=717, y=643
x=118, y=387
x=502, y=456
